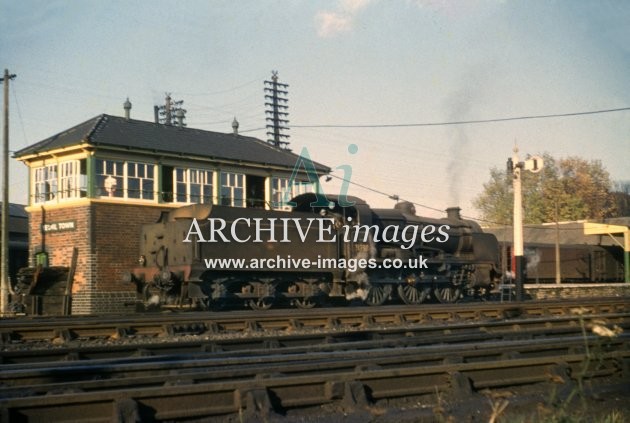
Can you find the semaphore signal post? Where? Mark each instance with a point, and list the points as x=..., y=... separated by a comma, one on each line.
x=534, y=165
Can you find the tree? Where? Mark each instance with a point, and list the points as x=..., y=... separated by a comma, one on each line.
x=572, y=187
x=621, y=193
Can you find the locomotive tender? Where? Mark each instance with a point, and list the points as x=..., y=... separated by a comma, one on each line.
x=206, y=255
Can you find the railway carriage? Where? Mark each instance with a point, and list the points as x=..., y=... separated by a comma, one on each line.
x=583, y=263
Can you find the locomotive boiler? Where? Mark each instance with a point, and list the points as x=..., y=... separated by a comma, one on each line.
x=212, y=256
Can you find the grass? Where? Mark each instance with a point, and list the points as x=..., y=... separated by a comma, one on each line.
x=566, y=410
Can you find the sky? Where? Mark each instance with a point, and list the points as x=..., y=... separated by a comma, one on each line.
x=347, y=63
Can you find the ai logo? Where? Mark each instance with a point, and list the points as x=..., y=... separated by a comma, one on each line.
x=304, y=160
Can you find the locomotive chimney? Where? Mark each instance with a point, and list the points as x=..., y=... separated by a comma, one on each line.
x=453, y=213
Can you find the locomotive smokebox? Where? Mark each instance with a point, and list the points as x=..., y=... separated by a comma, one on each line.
x=453, y=213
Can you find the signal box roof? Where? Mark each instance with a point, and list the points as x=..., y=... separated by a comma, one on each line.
x=117, y=132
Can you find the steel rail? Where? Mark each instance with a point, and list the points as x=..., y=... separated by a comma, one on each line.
x=351, y=384
x=367, y=333
x=158, y=371
x=85, y=327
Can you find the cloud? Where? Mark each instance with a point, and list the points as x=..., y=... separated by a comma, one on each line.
x=353, y=6
x=454, y=8
x=330, y=23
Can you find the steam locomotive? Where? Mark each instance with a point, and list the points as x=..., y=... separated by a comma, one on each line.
x=212, y=256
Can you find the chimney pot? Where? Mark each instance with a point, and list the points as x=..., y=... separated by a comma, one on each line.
x=179, y=116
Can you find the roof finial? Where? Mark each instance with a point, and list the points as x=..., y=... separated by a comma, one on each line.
x=235, y=126
x=127, y=107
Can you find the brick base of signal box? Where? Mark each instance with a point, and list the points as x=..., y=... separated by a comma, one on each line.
x=106, y=236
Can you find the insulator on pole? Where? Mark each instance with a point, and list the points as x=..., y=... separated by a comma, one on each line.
x=275, y=104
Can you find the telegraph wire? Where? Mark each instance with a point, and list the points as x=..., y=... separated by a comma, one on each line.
x=19, y=110
x=464, y=122
x=251, y=130
x=478, y=219
x=220, y=91
x=374, y=143
x=390, y=196
x=426, y=124
x=72, y=91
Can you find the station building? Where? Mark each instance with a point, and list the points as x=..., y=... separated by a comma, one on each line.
x=92, y=186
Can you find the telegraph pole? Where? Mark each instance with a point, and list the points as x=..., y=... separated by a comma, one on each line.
x=171, y=113
x=4, y=288
x=277, y=114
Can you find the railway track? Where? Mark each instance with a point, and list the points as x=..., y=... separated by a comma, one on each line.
x=172, y=324
x=147, y=371
x=364, y=336
x=180, y=388
x=248, y=367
